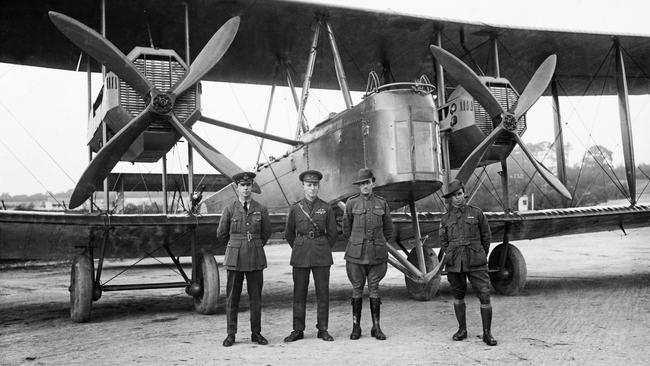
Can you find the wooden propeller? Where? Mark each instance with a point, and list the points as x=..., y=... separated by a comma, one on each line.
x=159, y=104
x=508, y=118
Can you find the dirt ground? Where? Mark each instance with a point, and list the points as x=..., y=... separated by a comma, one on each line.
x=587, y=301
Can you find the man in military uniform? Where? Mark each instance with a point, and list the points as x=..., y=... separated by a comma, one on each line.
x=311, y=233
x=465, y=238
x=245, y=226
x=367, y=225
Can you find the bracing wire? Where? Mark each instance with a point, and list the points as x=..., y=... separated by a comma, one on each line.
x=259, y=143
x=36, y=141
x=31, y=173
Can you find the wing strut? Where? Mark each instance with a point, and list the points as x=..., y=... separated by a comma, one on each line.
x=559, y=137
x=626, y=122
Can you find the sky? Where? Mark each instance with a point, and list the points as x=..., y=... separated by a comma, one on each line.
x=43, y=112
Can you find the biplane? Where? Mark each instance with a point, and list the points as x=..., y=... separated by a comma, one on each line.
x=415, y=133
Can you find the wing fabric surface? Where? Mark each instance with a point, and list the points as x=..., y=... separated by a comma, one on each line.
x=272, y=29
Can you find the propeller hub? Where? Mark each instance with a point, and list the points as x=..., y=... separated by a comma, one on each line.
x=509, y=122
x=163, y=103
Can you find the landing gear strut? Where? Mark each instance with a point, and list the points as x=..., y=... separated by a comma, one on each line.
x=510, y=278
x=421, y=268
x=506, y=264
x=86, y=286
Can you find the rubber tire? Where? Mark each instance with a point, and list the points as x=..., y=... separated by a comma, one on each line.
x=516, y=265
x=208, y=277
x=423, y=291
x=81, y=289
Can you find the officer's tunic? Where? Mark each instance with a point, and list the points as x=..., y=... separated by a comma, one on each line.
x=245, y=233
x=465, y=237
x=311, y=251
x=367, y=225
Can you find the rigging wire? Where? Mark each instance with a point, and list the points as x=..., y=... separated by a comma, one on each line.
x=31, y=173
x=260, y=146
x=635, y=63
x=149, y=254
x=341, y=44
x=611, y=48
x=591, y=138
x=36, y=141
x=531, y=180
x=146, y=189
x=646, y=184
x=495, y=195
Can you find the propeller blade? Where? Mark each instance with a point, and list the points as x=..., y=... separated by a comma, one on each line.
x=543, y=171
x=468, y=80
x=219, y=161
x=209, y=56
x=472, y=161
x=102, y=50
x=100, y=167
x=249, y=131
x=536, y=86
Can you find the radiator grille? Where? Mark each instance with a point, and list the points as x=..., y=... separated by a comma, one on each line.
x=163, y=72
x=507, y=97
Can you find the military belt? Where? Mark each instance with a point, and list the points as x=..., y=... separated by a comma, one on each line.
x=460, y=243
x=247, y=236
x=312, y=234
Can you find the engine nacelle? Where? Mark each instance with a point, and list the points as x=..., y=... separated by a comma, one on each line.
x=118, y=103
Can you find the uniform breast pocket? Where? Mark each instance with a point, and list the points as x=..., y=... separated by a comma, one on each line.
x=357, y=212
x=235, y=225
x=320, y=221
x=378, y=216
x=471, y=225
x=256, y=223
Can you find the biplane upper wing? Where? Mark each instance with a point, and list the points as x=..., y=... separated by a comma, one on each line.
x=273, y=31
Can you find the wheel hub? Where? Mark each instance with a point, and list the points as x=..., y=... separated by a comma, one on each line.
x=503, y=274
x=194, y=290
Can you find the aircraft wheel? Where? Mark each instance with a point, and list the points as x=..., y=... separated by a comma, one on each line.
x=513, y=279
x=423, y=291
x=208, y=278
x=81, y=289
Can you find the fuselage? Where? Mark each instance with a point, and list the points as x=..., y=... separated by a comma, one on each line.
x=393, y=131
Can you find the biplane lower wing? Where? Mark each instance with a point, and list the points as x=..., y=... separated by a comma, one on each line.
x=56, y=236
x=540, y=223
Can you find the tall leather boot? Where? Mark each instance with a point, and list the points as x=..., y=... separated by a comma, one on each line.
x=374, y=310
x=486, y=317
x=461, y=334
x=356, y=318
